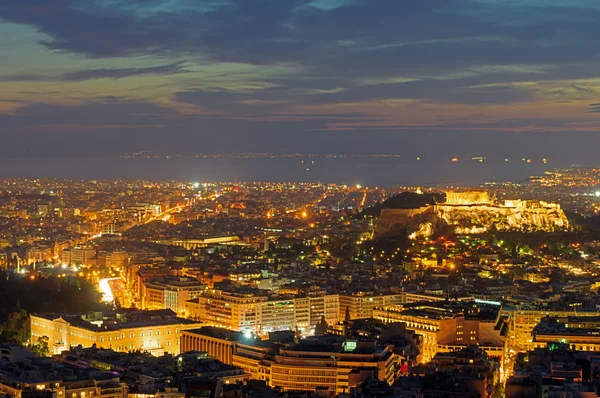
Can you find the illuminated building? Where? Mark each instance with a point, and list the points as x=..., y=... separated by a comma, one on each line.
x=247, y=310
x=109, y=229
x=140, y=274
x=523, y=321
x=578, y=333
x=217, y=342
x=467, y=198
x=38, y=254
x=473, y=213
x=277, y=315
x=417, y=297
x=255, y=358
x=191, y=244
x=553, y=371
x=245, y=277
x=43, y=209
x=337, y=367
x=78, y=255
x=170, y=293
x=406, y=343
x=309, y=310
x=153, y=331
x=230, y=310
x=144, y=210
x=25, y=385
x=361, y=305
x=448, y=327
x=332, y=362
x=116, y=259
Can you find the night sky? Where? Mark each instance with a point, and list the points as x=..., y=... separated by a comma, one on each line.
x=382, y=76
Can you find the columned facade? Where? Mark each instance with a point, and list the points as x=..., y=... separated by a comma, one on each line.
x=217, y=348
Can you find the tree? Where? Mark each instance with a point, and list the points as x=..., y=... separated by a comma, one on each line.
x=321, y=327
x=41, y=348
x=498, y=390
x=16, y=328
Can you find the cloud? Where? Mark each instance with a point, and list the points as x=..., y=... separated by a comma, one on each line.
x=352, y=65
x=264, y=31
x=104, y=73
x=594, y=107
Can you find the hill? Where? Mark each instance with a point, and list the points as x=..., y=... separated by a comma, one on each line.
x=404, y=200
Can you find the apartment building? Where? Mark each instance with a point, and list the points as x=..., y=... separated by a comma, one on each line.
x=170, y=293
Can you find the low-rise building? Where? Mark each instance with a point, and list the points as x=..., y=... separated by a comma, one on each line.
x=156, y=331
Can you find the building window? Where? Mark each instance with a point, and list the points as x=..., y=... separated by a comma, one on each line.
x=177, y=330
x=141, y=334
x=122, y=335
x=149, y=332
x=131, y=334
x=158, y=332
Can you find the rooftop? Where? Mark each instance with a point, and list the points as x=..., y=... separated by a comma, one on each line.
x=122, y=319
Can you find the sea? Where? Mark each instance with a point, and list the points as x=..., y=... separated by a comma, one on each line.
x=366, y=171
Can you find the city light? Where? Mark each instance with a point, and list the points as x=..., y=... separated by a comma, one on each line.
x=243, y=232
x=321, y=255
x=105, y=289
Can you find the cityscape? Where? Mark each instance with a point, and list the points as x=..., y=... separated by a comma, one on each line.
x=172, y=288
x=299, y=199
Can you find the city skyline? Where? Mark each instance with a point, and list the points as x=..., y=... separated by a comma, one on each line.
x=313, y=287
x=109, y=77
x=299, y=198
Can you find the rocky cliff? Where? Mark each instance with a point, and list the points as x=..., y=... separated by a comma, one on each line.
x=474, y=218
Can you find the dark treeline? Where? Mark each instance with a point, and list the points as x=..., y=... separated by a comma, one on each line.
x=21, y=295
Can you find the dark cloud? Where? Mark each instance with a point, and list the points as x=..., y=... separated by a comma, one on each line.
x=120, y=73
x=113, y=125
x=356, y=40
x=594, y=107
x=93, y=31
x=104, y=73
x=263, y=31
x=421, y=51
x=93, y=113
x=310, y=91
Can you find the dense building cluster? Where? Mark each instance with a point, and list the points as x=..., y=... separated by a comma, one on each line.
x=272, y=289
